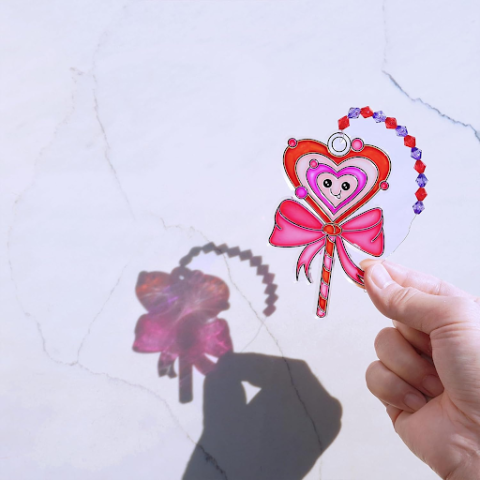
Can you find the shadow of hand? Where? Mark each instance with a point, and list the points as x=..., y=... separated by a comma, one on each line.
x=278, y=435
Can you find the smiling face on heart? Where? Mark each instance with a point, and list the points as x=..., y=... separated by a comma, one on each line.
x=335, y=188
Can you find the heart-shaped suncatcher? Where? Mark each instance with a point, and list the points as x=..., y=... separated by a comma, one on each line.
x=337, y=180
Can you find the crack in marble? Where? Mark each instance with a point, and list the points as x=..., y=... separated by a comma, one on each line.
x=109, y=296
x=106, y=152
x=75, y=74
x=100, y=43
x=402, y=90
x=307, y=413
x=431, y=107
x=179, y=226
x=208, y=457
x=249, y=303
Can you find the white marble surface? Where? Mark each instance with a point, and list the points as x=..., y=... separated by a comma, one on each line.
x=121, y=123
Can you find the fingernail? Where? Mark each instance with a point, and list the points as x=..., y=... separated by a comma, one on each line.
x=379, y=275
x=433, y=385
x=414, y=401
x=365, y=263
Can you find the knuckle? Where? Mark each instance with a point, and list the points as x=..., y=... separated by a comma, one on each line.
x=440, y=286
x=400, y=298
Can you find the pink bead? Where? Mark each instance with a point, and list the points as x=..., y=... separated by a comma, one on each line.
x=384, y=185
x=301, y=192
x=313, y=163
x=320, y=313
x=324, y=290
x=292, y=142
x=357, y=144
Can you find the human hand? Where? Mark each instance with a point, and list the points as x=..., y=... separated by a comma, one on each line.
x=428, y=373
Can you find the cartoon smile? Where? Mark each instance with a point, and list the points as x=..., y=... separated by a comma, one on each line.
x=338, y=196
x=340, y=185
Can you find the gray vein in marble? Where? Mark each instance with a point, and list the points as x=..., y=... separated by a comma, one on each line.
x=101, y=41
x=402, y=90
x=431, y=107
x=109, y=296
x=292, y=381
x=75, y=74
x=107, y=147
x=208, y=457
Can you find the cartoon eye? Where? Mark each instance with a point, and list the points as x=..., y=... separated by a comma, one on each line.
x=345, y=185
x=327, y=183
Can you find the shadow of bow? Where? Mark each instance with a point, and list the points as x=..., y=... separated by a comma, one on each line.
x=278, y=435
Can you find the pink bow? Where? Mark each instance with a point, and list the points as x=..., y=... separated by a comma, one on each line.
x=296, y=226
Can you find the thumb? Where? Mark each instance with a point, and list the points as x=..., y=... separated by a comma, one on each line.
x=408, y=305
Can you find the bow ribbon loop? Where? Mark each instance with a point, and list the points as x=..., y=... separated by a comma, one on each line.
x=296, y=226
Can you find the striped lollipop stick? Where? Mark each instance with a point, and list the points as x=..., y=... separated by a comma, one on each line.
x=327, y=267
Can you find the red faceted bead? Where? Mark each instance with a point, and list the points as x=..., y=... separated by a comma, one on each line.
x=420, y=166
x=366, y=112
x=343, y=123
x=421, y=194
x=391, y=122
x=409, y=141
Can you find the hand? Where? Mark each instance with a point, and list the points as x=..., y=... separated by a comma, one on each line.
x=428, y=373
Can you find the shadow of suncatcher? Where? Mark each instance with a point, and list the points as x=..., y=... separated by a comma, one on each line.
x=182, y=320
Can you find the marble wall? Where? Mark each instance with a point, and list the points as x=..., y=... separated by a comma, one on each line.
x=147, y=136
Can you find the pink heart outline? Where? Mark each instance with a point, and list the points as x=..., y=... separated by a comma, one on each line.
x=313, y=174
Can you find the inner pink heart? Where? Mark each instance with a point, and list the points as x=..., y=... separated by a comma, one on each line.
x=335, y=185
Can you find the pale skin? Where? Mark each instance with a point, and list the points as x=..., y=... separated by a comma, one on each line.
x=428, y=372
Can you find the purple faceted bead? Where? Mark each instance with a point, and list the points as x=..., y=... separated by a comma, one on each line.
x=418, y=207
x=401, y=131
x=353, y=113
x=416, y=153
x=422, y=180
x=379, y=116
